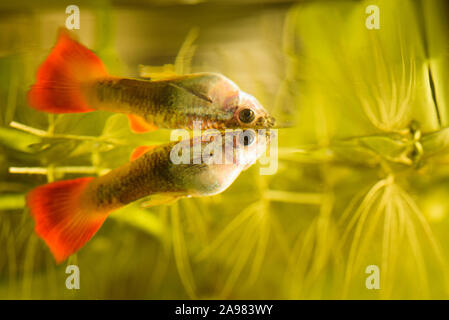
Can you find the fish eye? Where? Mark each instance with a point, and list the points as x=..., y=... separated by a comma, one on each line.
x=247, y=115
x=247, y=137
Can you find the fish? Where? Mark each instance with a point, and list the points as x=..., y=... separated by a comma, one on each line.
x=73, y=79
x=68, y=213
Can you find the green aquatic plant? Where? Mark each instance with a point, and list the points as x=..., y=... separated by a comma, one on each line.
x=378, y=113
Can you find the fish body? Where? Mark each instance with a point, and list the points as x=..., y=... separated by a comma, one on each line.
x=68, y=213
x=170, y=103
x=74, y=79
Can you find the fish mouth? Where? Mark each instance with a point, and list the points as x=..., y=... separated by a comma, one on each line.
x=270, y=121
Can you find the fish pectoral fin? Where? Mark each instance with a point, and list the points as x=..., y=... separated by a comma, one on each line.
x=167, y=71
x=193, y=90
x=158, y=200
x=139, y=124
x=141, y=150
x=207, y=86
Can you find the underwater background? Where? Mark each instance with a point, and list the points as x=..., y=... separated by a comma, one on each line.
x=363, y=163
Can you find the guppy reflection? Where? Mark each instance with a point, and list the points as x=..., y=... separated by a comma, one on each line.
x=68, y=213
x=73, y=79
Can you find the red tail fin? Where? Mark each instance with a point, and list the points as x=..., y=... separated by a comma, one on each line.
x=58, y=85
x=61, y=218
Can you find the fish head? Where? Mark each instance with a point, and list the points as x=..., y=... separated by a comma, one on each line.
x=249, y=145
x=245, y=110
x=238, y=150
x=251, y=114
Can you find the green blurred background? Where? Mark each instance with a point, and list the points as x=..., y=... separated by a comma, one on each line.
x=363, y=173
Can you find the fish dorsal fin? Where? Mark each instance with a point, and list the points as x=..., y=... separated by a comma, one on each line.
x=139, y=124
x=167, y=71
x=139, y=151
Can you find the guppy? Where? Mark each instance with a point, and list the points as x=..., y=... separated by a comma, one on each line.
x=68, y=213
x=73, y=79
